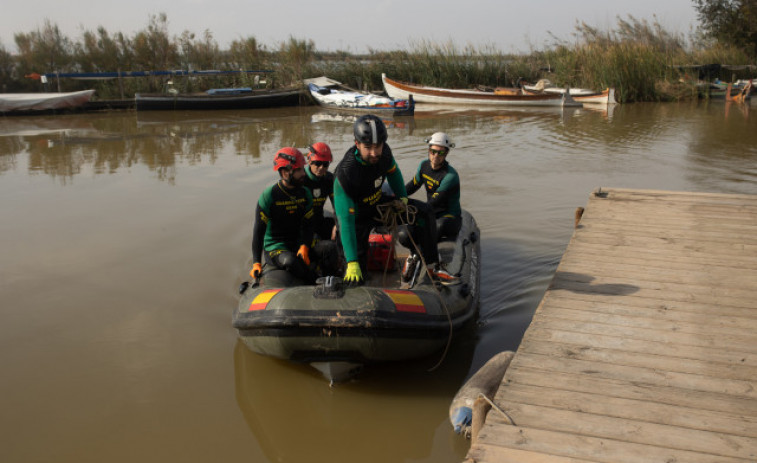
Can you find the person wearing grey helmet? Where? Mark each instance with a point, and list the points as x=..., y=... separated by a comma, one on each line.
x=442, y=184
x=358, y=191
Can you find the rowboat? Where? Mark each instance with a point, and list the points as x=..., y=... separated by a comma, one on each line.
x=30, y=102
x=353, y=101
x=424, y=94
x=245, y=98
x=582, y=95
x=339, y=329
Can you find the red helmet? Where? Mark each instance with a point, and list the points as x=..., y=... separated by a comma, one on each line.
x=288, y=157
x=320, y=152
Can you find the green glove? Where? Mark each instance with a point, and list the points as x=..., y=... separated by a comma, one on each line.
x=353, y=274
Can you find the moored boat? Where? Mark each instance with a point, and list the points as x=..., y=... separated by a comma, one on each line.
x=424, y=94
x=31, y=102
x=220, y=99
x=345, y=100
x=338, y=329
x=582, y=95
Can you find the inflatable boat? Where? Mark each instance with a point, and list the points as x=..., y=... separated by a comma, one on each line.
x=338, y=329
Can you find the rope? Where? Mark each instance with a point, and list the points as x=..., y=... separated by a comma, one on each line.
x=494, y=406
x=391, y=215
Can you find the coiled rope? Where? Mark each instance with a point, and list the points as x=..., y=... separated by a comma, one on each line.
x=392, y=215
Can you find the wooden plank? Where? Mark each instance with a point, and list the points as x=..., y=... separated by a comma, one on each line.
x=633, y=431
x=585, y=249
x=662, y=243
x=575, y=312
x=574, y=445
x=490, y=453
x=713, y=317
x=655, y=301
x=722, y=278
x=636, y=346
x=631, y=409
x=646, y=356
x=608, y=387
x=638, y=288
x=693, y=341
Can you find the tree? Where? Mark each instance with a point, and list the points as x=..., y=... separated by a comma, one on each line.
x=43, y=51
x=732, y=22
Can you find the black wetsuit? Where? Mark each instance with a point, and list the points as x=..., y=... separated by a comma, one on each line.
x=283, y=222
x=442, y=194
x=357, y=192
x=322, y=189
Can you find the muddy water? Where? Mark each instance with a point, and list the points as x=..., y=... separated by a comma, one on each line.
x=124, y=237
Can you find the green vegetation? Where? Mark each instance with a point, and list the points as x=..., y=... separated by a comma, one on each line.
x=640, y=59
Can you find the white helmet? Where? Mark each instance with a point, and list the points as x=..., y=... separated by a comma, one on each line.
x=440, y=139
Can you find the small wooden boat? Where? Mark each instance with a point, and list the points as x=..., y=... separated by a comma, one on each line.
x=246, y=98
x=346, y=100
x=31, y=102
x=338, y=329
x=582, y=95
x=424, y=94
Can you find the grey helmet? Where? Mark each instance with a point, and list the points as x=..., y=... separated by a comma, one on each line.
x=440, y=139
x=369, y=129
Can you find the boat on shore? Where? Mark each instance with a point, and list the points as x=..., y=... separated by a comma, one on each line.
x=332, y=94
x=498, y=97
x=36, y=102
x=582, y=95
x=242, y=98
x=339, y=329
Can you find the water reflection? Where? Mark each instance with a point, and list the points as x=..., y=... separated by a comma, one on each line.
x=383, y=416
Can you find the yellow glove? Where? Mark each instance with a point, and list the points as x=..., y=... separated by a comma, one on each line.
x=353, y=273
x=303, y=254
x=256, y=270
x=400, y=205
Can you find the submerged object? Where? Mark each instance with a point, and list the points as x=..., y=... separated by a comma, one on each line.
x=483, y=383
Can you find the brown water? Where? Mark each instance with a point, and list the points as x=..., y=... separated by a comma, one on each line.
x=125, y=236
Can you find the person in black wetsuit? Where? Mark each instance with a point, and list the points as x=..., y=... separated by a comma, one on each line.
x=283, y=227
x=442, y=186
x=357, y=191
x=320, y=182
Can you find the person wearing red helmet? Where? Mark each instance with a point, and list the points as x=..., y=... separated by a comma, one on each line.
x=321, y=184
x=283, y=229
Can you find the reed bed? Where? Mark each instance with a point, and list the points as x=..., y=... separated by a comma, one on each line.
x=640, y=59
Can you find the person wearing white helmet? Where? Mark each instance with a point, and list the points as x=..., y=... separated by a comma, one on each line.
x=442, y=184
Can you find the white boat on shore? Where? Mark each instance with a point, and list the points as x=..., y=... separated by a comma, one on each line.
x=24, y=102
x=583, y=95
x=424, y=94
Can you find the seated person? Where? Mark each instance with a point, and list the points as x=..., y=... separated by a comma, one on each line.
x=283, y=220
x=442, y=186
x=357, y=193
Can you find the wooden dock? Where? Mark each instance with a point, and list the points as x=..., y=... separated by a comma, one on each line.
x=644, y=348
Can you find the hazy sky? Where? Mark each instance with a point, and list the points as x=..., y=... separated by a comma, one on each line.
x=350, y=25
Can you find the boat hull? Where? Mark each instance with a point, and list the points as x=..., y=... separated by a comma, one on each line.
x=31, y=102
x=256, y=99
x=356, y=103
x=424, y=94
x=363, y=324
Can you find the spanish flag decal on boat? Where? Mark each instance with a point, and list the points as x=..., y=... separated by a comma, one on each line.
x=262, y=299
x=406, y=301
